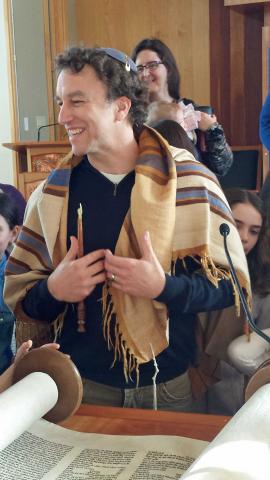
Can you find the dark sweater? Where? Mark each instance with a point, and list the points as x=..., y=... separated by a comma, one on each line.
x=184, y=294
x=218, y=156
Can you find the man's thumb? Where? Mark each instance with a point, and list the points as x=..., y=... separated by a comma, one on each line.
x=73, y=249
x=146, y=246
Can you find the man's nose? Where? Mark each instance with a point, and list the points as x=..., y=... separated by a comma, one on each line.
x=64, y=115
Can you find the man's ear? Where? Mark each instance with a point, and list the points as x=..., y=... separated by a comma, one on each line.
x=122, y=107
x=15, y=232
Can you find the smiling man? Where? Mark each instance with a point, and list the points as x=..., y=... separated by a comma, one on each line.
x=100, y=255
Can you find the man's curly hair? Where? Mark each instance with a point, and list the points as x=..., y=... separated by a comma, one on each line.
x=112, y=73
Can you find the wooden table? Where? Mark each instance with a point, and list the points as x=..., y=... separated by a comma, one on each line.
x=129, y=421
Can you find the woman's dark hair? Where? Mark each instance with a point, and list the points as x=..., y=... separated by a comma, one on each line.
x=112, y=73
x=167, y=58
x=175, y=135
x=259, y=257
x=9, y=210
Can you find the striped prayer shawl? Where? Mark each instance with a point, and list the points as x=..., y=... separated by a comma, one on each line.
x=177, y=199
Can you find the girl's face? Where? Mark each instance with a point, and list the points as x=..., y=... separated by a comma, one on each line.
x=7, y=235
x=249, y=223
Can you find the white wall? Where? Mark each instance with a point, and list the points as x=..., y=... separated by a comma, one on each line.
x=31, y=78
x=6, y=162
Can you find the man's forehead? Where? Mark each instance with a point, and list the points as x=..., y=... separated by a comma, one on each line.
x=71, y=83
x=68, y=74
x=72, y=93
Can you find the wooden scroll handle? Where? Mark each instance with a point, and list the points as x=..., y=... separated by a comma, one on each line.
x=62, y=370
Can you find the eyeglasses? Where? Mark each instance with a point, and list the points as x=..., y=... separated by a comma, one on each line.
x=149, y=66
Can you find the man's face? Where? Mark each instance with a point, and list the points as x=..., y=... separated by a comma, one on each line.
x=85, y=112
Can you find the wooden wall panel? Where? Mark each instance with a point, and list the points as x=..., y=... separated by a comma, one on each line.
x=182, y=24
x=265, y=52
x=253, y=73
x=56, y=39
x=220, y=66
x=218, y=48
x=236, y=69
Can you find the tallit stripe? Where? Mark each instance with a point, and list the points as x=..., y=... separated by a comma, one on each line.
x=202, y=194
x=194, y=166
x=35, y=254
x=36, y=245
x=52, y=191
x=59, y=177
x=153, y=174
x=15, y=267
x=134, y=246
x=27, y=231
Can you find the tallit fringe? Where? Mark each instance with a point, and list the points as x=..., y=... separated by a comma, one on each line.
x=58, y=324
x=38, y=331
x=211, y=271
x=121, y=352
x=246, y=327
x=215, y=274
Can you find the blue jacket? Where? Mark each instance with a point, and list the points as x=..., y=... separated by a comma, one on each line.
x=265, y=123
x=6, y=322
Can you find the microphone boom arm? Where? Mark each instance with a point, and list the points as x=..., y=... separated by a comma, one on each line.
x=44, y=126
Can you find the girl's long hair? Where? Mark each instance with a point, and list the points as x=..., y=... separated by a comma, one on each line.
x=259, y=257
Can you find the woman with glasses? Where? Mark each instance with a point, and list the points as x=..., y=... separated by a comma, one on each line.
x=158, y=70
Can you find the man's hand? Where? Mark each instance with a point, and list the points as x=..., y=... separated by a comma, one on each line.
x=75, y=278
x=140, y=278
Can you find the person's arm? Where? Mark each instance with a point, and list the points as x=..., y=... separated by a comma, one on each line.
x=195, y=293
x=39, y=303
x=218, y=157
x=6, y=378
x=185, y=292
x=264, y=123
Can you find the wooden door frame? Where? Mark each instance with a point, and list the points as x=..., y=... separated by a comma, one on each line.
x=56, y=37
x=11, y=68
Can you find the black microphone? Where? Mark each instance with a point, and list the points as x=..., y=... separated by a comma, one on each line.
x=44, y=126
x=224, y=230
